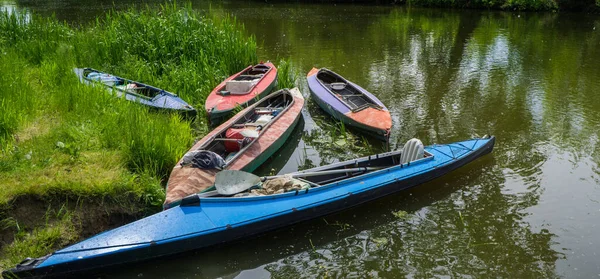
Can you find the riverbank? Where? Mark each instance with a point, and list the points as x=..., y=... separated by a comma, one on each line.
x=75, y=160
x=590, y=6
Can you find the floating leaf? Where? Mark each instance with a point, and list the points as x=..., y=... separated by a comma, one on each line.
x=340, y=142
x=380, y=241
x=401, y=214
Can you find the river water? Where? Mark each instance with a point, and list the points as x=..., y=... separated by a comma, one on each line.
x=531, y=209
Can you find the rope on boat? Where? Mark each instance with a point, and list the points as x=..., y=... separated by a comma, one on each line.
x=432, y=147
x=470, y=149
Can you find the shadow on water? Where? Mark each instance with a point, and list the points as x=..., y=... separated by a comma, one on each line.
x=278, y=161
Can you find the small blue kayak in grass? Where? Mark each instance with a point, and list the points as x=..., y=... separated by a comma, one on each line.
x=210, y=218
x=137, y=92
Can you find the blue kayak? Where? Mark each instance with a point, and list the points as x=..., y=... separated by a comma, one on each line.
x=137, y=92
x=208, y=218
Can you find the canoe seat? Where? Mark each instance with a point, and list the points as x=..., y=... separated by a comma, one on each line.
x=413, y=150
x=251, y=76
x=259, y=69
x=239, y=87
x=337, y=85
x=352, y=95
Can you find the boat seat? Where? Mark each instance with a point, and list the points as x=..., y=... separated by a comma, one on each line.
x=240, y=86
x=337, y=85
x=413, y=150
x=259, y=69
x=351, y=95
x=252, y=76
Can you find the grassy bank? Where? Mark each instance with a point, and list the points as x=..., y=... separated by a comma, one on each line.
x=75, y=160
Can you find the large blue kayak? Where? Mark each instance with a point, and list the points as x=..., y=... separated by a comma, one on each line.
x=207, y=219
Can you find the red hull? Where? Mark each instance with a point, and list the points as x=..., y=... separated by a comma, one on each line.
x=217, y=103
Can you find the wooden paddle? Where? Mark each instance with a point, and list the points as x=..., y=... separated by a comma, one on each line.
x=231, y=182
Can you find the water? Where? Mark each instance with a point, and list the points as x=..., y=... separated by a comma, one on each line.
x=531, y=209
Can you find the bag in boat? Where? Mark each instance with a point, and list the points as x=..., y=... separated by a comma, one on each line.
x=203, y=159
x=240, y=137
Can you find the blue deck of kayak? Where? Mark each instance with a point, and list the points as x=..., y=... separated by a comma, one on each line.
x=214, y=215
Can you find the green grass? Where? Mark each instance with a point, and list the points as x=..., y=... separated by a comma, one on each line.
x=173, y=48
x=62, y=140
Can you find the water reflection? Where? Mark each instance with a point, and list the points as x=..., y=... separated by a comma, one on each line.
x=529, y=210
x=8, y=7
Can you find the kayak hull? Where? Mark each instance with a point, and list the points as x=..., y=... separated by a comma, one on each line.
x=208, y=221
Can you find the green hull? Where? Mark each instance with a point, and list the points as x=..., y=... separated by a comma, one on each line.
x=273, y=148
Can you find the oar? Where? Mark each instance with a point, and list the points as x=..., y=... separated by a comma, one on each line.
x=230, y=182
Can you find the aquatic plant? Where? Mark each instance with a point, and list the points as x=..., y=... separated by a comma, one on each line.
x=335, y=140
x=286, y=74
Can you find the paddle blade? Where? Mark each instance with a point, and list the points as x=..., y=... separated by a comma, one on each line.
x=230, y=182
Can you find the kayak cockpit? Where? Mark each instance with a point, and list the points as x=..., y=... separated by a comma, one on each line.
x=245, y=81
x=345, y=91
x=121, y=84
x=412, y=153
x=233, y=141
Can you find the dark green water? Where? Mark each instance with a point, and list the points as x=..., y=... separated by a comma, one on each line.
x=529, y=210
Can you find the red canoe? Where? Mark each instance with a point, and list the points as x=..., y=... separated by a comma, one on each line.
x=244, y=142
x=241, y=89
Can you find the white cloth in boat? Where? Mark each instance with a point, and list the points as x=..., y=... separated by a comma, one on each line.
x=239, y=87
x=277, y=185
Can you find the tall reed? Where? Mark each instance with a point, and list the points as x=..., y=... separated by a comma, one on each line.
x=286, y=74
x=173, y=48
